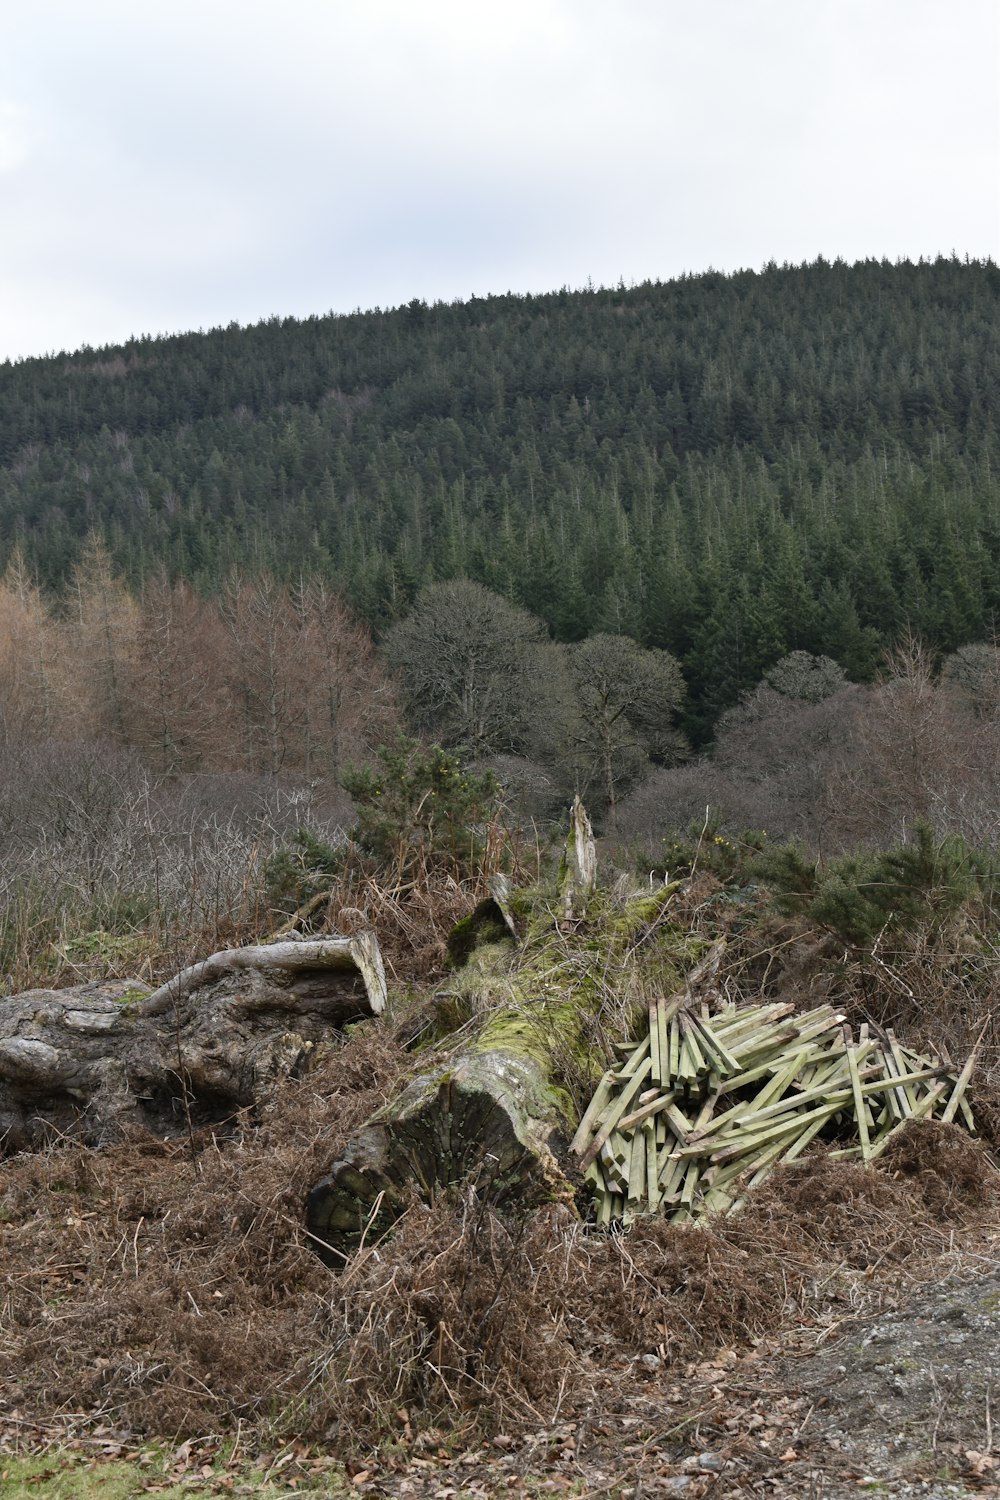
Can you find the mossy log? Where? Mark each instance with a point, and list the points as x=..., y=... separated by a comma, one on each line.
x=103, y=1062
x=488, y=1114
x=495, y=1111
x=491, y=921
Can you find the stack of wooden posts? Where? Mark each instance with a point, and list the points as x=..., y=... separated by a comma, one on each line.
x=706, y=1105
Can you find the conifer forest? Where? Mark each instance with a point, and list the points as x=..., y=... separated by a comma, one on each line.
x=728, y=468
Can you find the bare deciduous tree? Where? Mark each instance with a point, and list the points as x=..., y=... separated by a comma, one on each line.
x=98, y=641
x=472, y=668
x=805, y=677
x=349, y=702
x=32, y=677
x=266, y=672
x=972, y=675
x=910, y=748
x=624, y=707
x=183, y=717
x=306, y=687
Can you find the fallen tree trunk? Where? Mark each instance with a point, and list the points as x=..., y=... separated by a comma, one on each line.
x=100, y=1063
x=493, y=1111
x=324, y=956
x=487, y=1115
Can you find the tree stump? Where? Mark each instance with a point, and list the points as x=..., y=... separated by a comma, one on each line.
x=101, y=1062
x=578, y=872
x=487, y=1115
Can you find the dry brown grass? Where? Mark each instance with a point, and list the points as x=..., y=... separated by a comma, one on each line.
x=412, y=918
x=944, y=1168
x=179, y=1296
x=172, y=1291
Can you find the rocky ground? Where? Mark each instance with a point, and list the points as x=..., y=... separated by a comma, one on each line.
x=903, y=1402
x=893, y=1398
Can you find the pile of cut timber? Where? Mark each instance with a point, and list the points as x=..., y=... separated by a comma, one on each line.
x=706, y=1105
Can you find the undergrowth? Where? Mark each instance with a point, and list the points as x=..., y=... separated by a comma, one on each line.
x=905, y=936
x=123, y=875
x=134, y=1282
x=126, y=876
x=135, y=1279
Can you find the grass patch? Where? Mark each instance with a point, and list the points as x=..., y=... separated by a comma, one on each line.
x=60, y=1475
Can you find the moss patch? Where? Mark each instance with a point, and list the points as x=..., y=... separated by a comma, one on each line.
x=483, y=926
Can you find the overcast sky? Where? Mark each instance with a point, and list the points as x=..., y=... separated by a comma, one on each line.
x=175, y=164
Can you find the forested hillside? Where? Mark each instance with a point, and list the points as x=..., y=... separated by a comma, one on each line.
x=312, y=631
x=727, y=467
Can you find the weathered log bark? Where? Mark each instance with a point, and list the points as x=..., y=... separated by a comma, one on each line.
x=359, y=954
x=98, y=1064
x=578, y=875
x=500, y=893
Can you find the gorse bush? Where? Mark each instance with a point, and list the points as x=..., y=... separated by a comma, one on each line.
x=729, y=857
x=301, y=869
x=924, y=883
x=418, y=809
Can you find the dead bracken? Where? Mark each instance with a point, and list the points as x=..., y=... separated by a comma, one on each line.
x=136, y=1278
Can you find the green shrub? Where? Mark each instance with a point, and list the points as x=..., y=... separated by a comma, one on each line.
x=301, y=869
x=417, y=808
x=923, y=883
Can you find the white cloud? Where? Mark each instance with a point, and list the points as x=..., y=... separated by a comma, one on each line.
x=15, y=136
